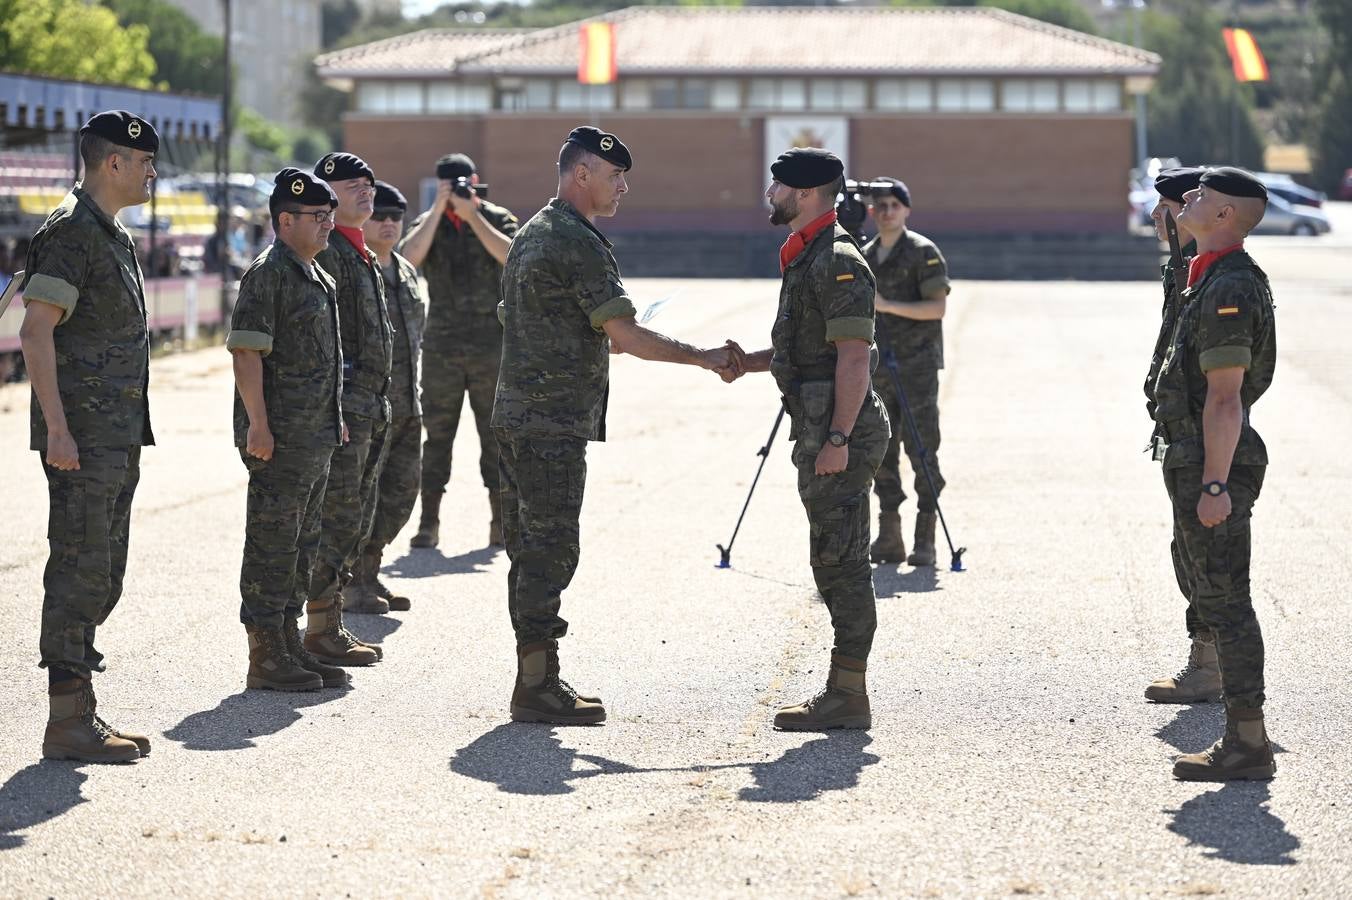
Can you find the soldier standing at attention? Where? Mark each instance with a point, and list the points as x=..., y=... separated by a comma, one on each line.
x=350, y=498
x=1200, y=679
x=1221, y=360
x=821, y=360
x=402, y=471
x=288, y=422
x=460, y=244
x=87, y=349
x=912, y=295
x=564, y=310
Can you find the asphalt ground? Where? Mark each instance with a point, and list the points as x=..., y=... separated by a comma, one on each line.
x=1011, y=753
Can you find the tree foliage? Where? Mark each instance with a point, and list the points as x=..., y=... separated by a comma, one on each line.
x=187, y=59
x=1332, y=137
x=72, y=40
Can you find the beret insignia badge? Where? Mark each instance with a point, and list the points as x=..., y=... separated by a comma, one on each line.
x=133, y=130
x=298, y=187
x=329, y=167
x=607, y=143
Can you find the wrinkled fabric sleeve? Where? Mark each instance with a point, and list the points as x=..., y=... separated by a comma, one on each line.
x=57, y=272
x=933, y=273
x=1228, y=317
x=598, y=288
x=254, y=321
x=847, y=298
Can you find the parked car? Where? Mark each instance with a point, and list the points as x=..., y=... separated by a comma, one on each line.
x=1287, y=218
x=1285, y=186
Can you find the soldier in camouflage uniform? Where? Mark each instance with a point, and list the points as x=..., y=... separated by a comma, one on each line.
x=564, y=310
x=460, y=244
x=913, y=295
x=288, y=422
x=400, y=476
x=1220, y=361
x=354, y=471
x=87, y=349
x=821, y=359
x=1200, y=680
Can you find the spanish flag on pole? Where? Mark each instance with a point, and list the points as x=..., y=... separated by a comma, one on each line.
x=596, y=65
x=1245, y=56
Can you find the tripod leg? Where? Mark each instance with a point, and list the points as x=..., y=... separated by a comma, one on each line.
x=725, y=553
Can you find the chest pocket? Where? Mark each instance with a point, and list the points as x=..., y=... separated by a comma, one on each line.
x=311, y=322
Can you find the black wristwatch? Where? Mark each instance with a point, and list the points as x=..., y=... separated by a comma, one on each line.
x=1215, y=488
x=837, y=438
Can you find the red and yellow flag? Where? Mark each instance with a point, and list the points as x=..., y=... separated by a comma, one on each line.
x=1245, y=56
x=596, y=65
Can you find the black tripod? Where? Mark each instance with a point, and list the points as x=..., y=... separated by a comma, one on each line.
x=725, y=553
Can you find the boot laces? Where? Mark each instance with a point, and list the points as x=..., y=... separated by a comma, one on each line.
x=90, y=718
x=559, y=686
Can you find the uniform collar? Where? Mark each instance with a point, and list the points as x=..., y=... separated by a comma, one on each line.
x=109, y=223
x=799, y=240
x=310, y=271
x=1200, y=263
x=569, y=209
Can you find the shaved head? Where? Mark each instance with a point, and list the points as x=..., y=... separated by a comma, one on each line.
x=1249, y=211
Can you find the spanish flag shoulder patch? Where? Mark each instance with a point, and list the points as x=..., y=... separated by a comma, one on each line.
x=931, y=262
x=848, y=276
x=1227, y=310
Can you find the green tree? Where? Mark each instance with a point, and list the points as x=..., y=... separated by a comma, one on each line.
x=1333, y=129
x=68, y=39
x=186, y=57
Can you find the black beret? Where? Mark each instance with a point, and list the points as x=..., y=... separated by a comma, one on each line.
x=342, y=166
x=603, y=144
x=301, y=188
x=1234, y=181
x=1172, y=184
x=806, y=167
x=455, y=165
x=117, y=126
x=898, y=189
x=388, y=197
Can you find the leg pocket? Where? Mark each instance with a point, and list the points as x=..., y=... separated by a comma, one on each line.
x=839, y=534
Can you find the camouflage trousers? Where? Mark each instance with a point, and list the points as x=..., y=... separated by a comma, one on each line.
x=349, y=504
x=446, y=381
x=87, y=534
x=920, y=380
x=541, y=485
x=281, y=533
x=838, y=523
x=1217, y=560
x=398, y=486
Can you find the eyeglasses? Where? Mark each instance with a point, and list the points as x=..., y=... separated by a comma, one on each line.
x=322, y=216
x=393, y=215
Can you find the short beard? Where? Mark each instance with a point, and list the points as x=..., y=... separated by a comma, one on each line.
x=783, y=215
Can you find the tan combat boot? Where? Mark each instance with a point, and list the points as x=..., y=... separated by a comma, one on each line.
x=1198, y=682
x=332, y=676
x=370, y=566
x=842, y=704
x=75, y=732
x=359, y=595
x=272, y=668
x=889, y=547
x=541, y=696
x=141, y=741
x=1243, y=753
x=327, y=639
x=429, y=523
x=495, y=538
x=922, y=550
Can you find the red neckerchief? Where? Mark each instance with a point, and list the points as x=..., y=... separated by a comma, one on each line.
x=453, y=218
x=1201, y=262
x=354, y=236
x=798, y=240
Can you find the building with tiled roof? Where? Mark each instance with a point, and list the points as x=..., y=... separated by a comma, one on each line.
x=999, y=123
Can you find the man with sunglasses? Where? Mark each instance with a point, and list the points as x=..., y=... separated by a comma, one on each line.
x=288, y=422
x=367, y=338
x=460, y=244
x=402, y=472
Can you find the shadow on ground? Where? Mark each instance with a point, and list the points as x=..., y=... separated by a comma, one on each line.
x=832, y=762
x=1234, y=824
x=371, y=629
x=240, y=718
x=1197, y=726
x=892, y=580
x=36, y=794
x=428, y=563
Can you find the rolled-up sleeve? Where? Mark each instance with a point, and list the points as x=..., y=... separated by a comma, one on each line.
x=847, y=304
x=57, y=272
x=254, y=321
x=599, y=291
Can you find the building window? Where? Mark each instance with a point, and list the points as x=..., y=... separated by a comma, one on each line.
x=778, y=93
x=635, y=93
x=904, y=94
x=838, y=94
x=695, y=93
x=390, y=97
x=455, y=97
x=1031, y=95
x=965, y=95
x=725, y=94
x=1083, y=96
x=521, y=95
x=574, y=97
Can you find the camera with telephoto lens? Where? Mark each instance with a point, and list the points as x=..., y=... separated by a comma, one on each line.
x=464, y=188
x=852, y=205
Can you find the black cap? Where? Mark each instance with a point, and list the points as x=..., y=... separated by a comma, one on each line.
x=299, y=187
x=898, y=189
x=1172, y=184
x=117, y=126
x=455, y=165
x=388, y=197
x=807, y=167
x=1234, y=181
x=342, y=166
x=603, y=144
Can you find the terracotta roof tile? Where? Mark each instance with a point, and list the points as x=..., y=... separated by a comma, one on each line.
x=434, y=51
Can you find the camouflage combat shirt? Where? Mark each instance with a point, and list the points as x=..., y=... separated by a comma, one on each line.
x=1168, y=317
x=288, y=312
x=913, y=269
x=83, y=261
x=1227, y=320
x=560, y=286
x=408, y=316
x=464, y=286
x=365, y=322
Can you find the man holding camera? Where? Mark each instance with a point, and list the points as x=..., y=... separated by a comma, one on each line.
x=912, y=296
x=460, y=244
